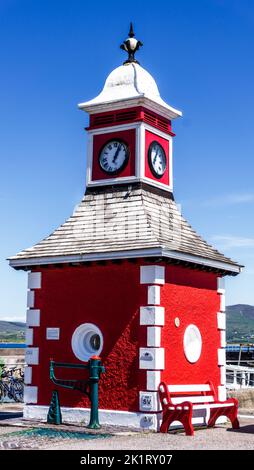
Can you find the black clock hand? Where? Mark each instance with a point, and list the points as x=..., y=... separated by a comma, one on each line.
x=154, y=160
x=116, y=154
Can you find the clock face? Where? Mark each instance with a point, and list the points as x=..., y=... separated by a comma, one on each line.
x=157, y=159
x=114, y=156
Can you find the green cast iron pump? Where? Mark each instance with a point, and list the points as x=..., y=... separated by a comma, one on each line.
x=89, y=387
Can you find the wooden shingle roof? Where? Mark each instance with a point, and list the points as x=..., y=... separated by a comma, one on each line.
x=124, y=222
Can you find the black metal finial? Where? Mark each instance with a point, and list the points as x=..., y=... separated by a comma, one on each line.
x=131, y=45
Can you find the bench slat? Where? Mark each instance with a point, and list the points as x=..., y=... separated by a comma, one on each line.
x=192, y=399
x=189, y=388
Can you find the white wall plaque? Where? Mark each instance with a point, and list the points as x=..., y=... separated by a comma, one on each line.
x=148, y=401
x=53, y=333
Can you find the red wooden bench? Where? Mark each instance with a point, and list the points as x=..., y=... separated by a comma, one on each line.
x=179, y=401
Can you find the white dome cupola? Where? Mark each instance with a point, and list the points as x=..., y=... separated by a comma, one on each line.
x=130, y=85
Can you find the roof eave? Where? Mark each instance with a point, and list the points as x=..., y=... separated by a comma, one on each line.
x=25, y=263
x=164, y=109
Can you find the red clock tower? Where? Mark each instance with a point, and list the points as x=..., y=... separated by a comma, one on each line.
x=126, y=277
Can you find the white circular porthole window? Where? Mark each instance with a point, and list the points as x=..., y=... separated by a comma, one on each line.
x=192, y=343
x=87, y=341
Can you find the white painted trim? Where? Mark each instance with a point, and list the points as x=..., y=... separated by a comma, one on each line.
x=157, y=131
x=34, y=280
x=33, y=317
x=223, y=375
x=222, y=394
x=89, y=158
x=152, y=274
x=149, y=252
x=29, y=336
x=107, y=417
x=28, y=375
x=112, y=417
x=171, y=174
x=152, y=358
x=142, y=152
x=154, y=336
x=148, y=401
x=221, y=285
x=221, y=357
x=164, y=110
x=153, y=379
x=153, y=295
x=112, y=129
x=137, y=155
x=112, y=181
x=223, y=338
x=30, y=299
x=154, y=182
x=222, y=303
x=32, y=356
x=221, y=321
x=153, y=316
x=157, y=184
x=30, y=394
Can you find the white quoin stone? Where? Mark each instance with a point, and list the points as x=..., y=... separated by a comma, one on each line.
x=222, y=395
x=33, y=317
x=221, y=285
x=28, y=375
x=29, y=336
x=153, y=295
x=34, y=280
x=32, y=356
x=148, y=401
x=221, y=357
x=222, y=303
x=30, y=299
x=152, y=275
x=223, y=338
x=153, y=379
x=151, y=358
x=30, y=394
x=152, y=316
x=221, y=321
x=223, y=375
x=154, y=336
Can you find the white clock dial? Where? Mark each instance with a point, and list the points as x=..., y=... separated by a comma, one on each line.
x=114, y=156
x=157, y=159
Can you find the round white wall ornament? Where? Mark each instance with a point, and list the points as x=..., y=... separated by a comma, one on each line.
x=192, y=343
x=87, y=341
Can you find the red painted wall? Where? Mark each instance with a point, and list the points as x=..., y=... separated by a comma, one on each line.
x=99, y=141
x=149, y=137
x=108, y=296
x=192, y=297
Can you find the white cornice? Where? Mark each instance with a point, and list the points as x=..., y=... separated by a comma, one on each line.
x=165, y=111
x=149, y=252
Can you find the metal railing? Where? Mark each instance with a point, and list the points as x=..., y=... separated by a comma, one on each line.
x=238, y=376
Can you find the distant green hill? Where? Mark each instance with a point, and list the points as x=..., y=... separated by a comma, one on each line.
x=12, y=332
x=240, y=323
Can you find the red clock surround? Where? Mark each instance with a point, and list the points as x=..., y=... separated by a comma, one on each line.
x=129, y=137
x=149, y=138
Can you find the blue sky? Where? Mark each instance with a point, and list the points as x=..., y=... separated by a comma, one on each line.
x=55, y=54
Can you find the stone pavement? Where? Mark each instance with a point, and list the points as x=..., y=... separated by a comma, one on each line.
x=16, y=433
